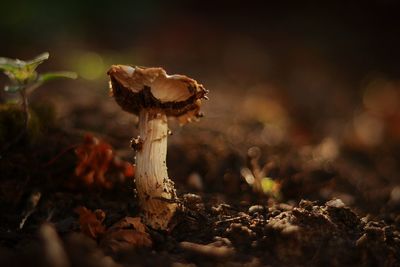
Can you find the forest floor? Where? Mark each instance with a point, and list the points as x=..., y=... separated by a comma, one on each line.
x=254, y=193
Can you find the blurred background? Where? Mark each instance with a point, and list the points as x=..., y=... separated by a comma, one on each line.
x=320, y=81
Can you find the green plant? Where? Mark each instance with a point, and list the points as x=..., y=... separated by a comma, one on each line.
x=24, y=79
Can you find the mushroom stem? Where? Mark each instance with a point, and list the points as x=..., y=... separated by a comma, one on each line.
x=155, y=190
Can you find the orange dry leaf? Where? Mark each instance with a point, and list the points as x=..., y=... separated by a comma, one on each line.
x=98, y=165
x=91, y=223
x=126, y=234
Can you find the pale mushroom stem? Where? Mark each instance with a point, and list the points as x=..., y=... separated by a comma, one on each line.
x=155, y=190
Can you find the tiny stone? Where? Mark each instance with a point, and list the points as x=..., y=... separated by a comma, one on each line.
x=222, y=241
x=285, y=207
x=220, y=208
x=275, y=213
x=366, y=219
x=256, y=209
x=306, y=204
x=192, y=198
x=335, y=203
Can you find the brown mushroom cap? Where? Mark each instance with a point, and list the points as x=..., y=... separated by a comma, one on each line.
x=137, y=88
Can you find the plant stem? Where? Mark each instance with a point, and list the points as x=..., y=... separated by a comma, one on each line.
x=25, y=109
x=155, y=190
x=24, y=130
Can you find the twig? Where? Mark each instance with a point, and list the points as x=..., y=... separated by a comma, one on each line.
x=54, y=159
x=232, y=219
x=32, y=203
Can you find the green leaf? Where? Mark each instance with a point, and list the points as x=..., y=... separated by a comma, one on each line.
x=271, y=187
x=17, y=70
x=20, y=70
x=56, y=75
x=23, y=75
x=8, y=64
x=31, y=65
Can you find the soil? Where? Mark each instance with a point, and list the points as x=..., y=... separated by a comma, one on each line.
x=306, y=206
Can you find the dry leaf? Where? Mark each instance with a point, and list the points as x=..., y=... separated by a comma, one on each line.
x=98, y=164
x=126, y=234
x=91, y=223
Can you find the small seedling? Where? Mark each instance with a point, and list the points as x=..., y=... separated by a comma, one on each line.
x=257, y=175
x=24, y=80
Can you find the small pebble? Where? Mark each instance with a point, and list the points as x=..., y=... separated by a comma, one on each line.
x=284, y=207
x=222, y=241
x=256, y=209
x=335, y=203
x=192, y=198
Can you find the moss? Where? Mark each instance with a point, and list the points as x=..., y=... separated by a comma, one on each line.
x=12, y=123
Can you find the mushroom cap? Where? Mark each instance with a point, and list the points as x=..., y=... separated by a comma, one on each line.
x=137, y=88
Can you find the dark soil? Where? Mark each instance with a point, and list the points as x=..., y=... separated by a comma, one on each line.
x=323, y=210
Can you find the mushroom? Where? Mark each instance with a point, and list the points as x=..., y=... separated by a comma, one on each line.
x=154, y=95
